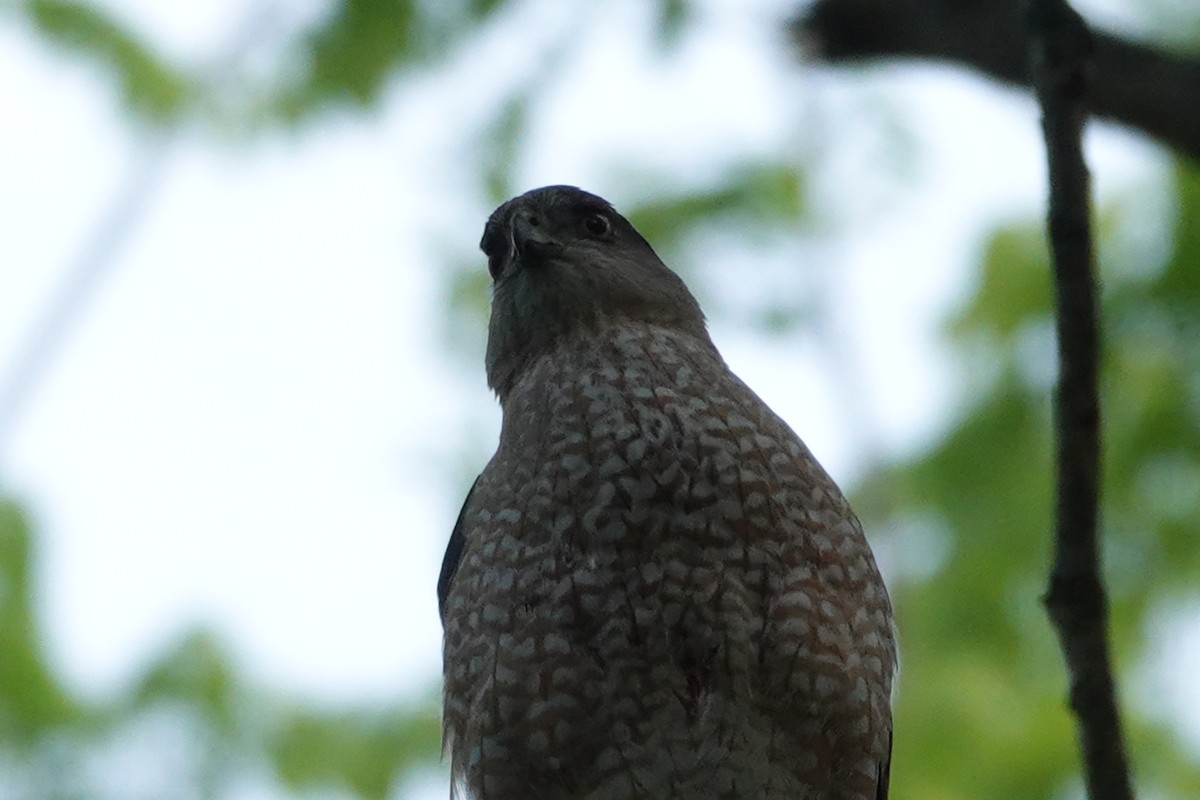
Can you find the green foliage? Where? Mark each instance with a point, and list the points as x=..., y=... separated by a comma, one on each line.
x=673, y=16
x=31, y=701
x=346, y=60
x=363, y=44
x=150, y=86
x=983, y=673
x=1014, y=287
x=350, y=56
x=197, y=673
x=363, y=752
x=756, y=199
x=196, y=686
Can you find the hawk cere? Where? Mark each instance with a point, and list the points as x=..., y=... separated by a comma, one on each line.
x=653, y=589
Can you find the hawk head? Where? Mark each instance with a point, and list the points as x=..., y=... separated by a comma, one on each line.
x=566, y=267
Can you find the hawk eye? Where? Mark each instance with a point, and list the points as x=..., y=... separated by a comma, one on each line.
x=597, y=225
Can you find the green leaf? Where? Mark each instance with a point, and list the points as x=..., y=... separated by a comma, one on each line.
x=198, y=673
x=32, y=700
x=350, y=57
x=482, y=9
x=758, y=198
x=672, y=19
x=1014, y=285
x=150, y=86
x=364, y=752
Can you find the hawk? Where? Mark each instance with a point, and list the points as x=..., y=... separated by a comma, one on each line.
x=653, y=589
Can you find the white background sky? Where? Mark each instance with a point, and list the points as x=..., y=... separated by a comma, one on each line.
x=256, y=425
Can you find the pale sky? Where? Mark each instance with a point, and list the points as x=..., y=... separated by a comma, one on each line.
x=256, y=425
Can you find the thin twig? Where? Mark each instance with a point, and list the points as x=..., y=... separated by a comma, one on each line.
x=1060, y=52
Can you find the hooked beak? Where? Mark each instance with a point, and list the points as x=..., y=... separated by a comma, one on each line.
x=531, y=241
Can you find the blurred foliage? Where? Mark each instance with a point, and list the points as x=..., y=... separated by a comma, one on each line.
x=981, y=705
x=50, y=741
x=980, y=659
x=31, y=701
x=755, y=198
x=346, y=59
x=149, y=86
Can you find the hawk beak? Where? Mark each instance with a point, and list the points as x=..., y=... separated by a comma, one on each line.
x=531, y=241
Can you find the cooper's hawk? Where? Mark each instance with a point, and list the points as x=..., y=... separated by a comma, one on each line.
x=653, y=589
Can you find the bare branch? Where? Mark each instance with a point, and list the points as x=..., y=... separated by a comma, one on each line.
x=1139, y=86
x=1061, y=49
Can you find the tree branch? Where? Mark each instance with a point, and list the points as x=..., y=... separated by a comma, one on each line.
x=1060, y=53
x=1136, y=85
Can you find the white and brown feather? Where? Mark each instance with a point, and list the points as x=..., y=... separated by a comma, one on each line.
x=659, y=592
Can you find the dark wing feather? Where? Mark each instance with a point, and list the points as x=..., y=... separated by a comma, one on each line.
x=885, y=773
x=454, y=550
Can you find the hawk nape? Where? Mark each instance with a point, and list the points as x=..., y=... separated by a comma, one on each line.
x=653, y=589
